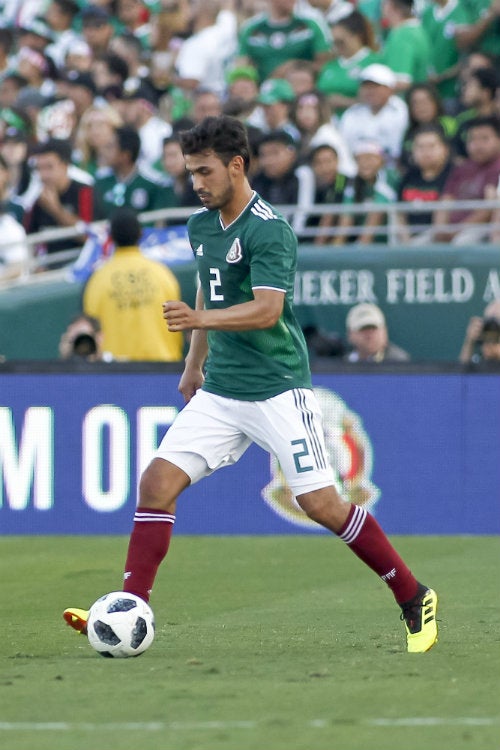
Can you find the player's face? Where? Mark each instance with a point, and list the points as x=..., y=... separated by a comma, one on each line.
x=211, y=179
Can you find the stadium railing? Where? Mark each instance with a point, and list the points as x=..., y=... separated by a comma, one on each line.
x=391, y=230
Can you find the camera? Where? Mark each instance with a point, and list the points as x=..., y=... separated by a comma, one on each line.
x=84, y=346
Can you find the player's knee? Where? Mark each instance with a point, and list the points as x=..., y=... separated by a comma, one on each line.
x=160, y=485
x=324, y=506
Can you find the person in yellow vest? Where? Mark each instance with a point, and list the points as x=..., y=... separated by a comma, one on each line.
x=126, y=294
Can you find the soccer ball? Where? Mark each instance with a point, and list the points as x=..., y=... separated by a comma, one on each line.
x=120, y=625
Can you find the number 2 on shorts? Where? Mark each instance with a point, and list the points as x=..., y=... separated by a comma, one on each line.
x=300, y=454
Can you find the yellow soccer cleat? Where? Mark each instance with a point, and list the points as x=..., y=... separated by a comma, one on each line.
x=419, y=617
x=77, y=619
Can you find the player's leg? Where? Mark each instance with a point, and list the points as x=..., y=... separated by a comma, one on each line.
x=204, y=437
x=292, y=422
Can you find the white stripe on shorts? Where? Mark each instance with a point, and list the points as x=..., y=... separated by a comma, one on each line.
x=355, y=525
x=308, y=422
x=150, y=517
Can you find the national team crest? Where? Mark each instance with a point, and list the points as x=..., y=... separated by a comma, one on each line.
x=235, y=252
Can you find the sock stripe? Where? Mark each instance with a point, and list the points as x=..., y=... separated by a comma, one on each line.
x=355, y=525
x=154, y=517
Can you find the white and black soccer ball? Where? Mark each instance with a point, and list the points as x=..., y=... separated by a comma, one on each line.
x=120, y=625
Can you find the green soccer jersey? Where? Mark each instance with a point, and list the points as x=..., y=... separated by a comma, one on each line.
x=269, y=44
x=138, y=192
x=441, y=24
x=407, y=52
x=342, y=75
x=489, y=42
x=257, y=250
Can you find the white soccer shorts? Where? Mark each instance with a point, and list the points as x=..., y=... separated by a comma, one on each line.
x=212, y=432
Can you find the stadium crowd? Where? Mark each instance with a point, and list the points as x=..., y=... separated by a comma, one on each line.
x=366, y=102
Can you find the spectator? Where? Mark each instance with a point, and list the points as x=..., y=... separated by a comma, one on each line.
x=97, y=29
x=329, y=190
x=122, y=182
x=424, y=108
x=311, y=114
x=35, y=68
x=242, y=96
x=109, y=70
x=14, y=252
x=484, y=332
x=95, y=130
x=368, y=336
x=10, y=85
x=129, y=49
x=443, y=21
x=302, y=76
x=407, y=48
x=134, y=16
x=6, y=47
x=79, y=57
x=14, y=148
x=478, y=97
x=35, y=34
x=178, y=180
x=10, y=205
x=205, y=103
x=60, y=16
x=63, y=201
x=80, y=89
x=380, y=115
x=82, y=339
x=280, y=180
x=372, y=184
x=483, y=31
x=140, y=111
x=126, y=294
x=276, y=96
x=470, y=180
x=204, y=55
x=274, y=38
x=355, y=45
x=424, y=181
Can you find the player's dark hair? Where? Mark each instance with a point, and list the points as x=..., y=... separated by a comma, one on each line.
x=225, y=136
x=129, y=140
x=125, y=228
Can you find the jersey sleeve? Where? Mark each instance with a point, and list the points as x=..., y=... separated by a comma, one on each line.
x=274, y=256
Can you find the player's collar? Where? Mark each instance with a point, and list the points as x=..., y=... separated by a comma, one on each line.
x=223, y=226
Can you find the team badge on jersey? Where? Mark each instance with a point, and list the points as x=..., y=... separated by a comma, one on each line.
x=235, y=252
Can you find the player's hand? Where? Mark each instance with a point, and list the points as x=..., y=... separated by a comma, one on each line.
x=179, y=316
x=190, y=382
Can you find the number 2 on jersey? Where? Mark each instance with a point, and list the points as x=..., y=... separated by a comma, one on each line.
x=215, y=284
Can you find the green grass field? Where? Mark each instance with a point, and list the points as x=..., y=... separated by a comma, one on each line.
x=286, y=643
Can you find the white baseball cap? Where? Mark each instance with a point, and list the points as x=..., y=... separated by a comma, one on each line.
x=378, y=73
x=364, y=315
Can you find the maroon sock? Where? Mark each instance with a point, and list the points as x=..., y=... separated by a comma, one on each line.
x=147, y=547
x=363, y=535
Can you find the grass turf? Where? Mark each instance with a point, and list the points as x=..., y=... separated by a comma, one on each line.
x=279, y=642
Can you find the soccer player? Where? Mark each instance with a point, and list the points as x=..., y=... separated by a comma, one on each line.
x=247, y=379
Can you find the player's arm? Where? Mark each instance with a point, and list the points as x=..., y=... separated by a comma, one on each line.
x=192, y=378
x=260, y=313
